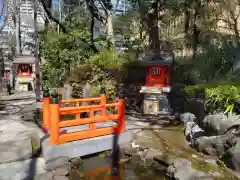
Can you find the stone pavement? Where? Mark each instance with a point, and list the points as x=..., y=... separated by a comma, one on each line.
x=19, y=137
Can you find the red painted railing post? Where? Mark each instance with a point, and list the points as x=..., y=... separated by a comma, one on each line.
x=55, y=119
x=46, y=112
x=103, y=101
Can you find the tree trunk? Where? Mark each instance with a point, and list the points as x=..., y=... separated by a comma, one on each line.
x=110, y=27
x=49, y=8
x=1, y=69
x=37, y=63
x=140, y=6
x=196, y=30
x=152, y=22
x=236, y=31
x=187, y=16
x=18, y=26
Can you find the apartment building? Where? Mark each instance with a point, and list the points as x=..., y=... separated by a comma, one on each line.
x=26, y=23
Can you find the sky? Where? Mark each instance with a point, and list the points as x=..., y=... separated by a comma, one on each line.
x=1, y=1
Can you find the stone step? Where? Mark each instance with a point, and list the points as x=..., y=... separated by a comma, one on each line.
x=83, y=147
x=22, y=169
x=15, y=149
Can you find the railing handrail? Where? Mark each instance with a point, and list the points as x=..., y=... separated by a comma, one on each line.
x=90, y=107
x=87, y=120
x=80, y=100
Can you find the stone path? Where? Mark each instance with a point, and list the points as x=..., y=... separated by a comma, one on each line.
x=19, y=137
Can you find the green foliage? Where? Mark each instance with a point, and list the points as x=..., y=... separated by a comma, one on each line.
x=61, y=52
x=219, y=96
x=69, y=57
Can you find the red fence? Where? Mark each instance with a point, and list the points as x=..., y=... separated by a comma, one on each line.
x=53, y=109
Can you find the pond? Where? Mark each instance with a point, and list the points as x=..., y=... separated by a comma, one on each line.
x=99, y=168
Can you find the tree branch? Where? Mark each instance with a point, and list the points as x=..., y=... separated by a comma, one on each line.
x=52, y=17
x=94, y=11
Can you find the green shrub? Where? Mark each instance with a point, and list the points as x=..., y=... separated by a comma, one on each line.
x=219, y=96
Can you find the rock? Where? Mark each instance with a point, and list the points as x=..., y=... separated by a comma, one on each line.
x=215, y=145
x=231, y=157
x=187, y=117
x=15, y=149
x=68, y=91
x=45, y=176
x=142, y=147
x=139, y=156
x=61, y=178
x=130, y=151
x=158, y=167
x=57, y=162
x=220, y=123
x=62, y=171
x=181, y=169
x=76, y=162
x=151, y=153
x=193, y=131
x=165, y=160
x=86, y=92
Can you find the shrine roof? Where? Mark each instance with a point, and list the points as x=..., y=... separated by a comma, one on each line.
x=159, y=58
x=24, y=60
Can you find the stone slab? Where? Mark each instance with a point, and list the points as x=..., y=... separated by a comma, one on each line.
x=22, y=169
x=85, y=127
x=83, y=147
x=15, y=149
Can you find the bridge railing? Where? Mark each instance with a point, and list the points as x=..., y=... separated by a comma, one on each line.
x=53, y=111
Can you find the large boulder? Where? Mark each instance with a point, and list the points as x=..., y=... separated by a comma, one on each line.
x=231, y=158
x=215, y=145
x=220, y=123
x=187, y=117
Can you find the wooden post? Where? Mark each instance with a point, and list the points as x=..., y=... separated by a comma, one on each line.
x=121, y=112
x=55, y=119
x=46, y=110
x=91, y=115
x=103, y=100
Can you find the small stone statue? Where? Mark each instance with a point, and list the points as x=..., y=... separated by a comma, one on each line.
x=87, y=93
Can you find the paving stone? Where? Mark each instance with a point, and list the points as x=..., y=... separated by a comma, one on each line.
x=27, y=169
x=141, y=124
x=45, y=176
x=61, y=178
x=15, y=149
x=85, y=146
